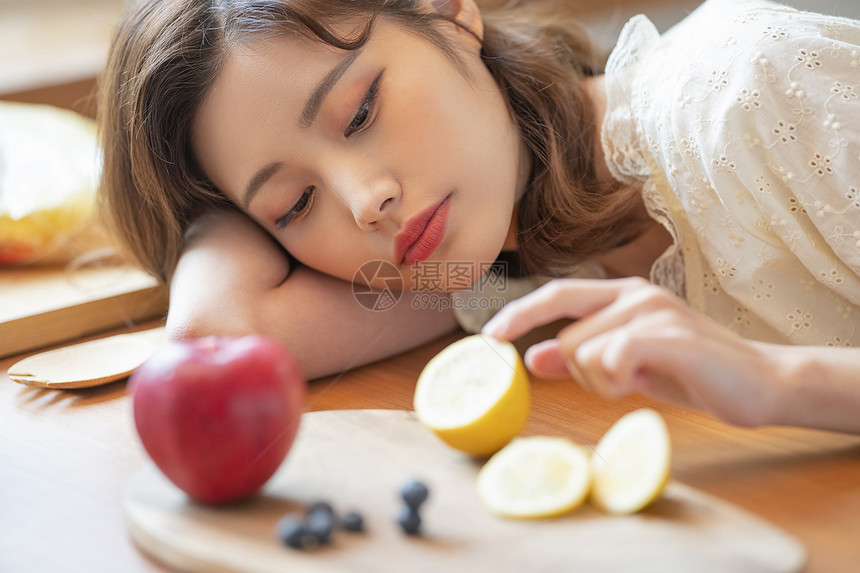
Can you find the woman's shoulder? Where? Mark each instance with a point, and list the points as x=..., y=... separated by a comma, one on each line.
x=779, y=76
x=651, y=77
x=741, y=68
x=717, y=34
x=759, y=40
x=752, y=67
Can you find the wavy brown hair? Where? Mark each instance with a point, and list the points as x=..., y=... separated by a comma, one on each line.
x=166, y=55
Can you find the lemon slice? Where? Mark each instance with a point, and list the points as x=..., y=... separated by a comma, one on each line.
x=534, y=477
x=474, y=395
x=631, y=463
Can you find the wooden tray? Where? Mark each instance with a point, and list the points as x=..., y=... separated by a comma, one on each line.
x=358, y=459
x=42, y=306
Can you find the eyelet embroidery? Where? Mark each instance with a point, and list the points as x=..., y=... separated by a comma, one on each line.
x=775, y=32
x=809, y=59
x=749, y=99
x=751, y=124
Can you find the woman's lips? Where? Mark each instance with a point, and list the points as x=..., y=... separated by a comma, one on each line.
x=423, y=234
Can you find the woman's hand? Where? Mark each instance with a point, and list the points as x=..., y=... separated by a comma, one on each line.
x=632, y=336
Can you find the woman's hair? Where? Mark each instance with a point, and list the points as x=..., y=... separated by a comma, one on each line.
x=167, y=54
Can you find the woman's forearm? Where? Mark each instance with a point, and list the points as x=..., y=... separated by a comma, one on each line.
x=821, y=387
x=232, y=280
x=319, y=319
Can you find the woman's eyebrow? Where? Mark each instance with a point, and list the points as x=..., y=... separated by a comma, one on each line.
x=316, y=98
x=258, y=180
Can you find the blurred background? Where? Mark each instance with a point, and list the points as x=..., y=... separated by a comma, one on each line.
x=50, y=50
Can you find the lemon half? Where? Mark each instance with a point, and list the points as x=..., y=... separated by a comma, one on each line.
x=474, y=395
x=631, y=463
x=535, y=477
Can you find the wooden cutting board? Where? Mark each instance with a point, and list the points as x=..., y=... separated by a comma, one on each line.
x=358, y=459
x=42, y=306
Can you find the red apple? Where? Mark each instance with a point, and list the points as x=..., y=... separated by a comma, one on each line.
x=218, y=415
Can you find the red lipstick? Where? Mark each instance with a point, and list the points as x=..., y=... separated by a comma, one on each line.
x=422, y=234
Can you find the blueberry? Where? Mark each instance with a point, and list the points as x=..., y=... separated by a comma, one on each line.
x=319, y=523
x=291, y=531
x=409, y=520
x=320, y=506
x=352, y=521
x=309, y=541
x=414, y=494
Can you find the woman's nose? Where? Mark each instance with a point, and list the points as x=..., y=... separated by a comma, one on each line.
x=372, y=201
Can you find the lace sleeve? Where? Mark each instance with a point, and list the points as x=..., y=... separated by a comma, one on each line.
x=759, y=145
x=619, y=135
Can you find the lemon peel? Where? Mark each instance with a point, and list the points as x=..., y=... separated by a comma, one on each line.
x=474, y=395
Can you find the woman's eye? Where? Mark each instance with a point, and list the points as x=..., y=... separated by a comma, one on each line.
x=301, y=207
x=360, y=118
x=365, y=110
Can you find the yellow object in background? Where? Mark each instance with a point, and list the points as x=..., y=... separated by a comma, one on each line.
x=50, y=164
x=474, y=395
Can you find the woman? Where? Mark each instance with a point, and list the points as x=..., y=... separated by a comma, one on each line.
x=418, y=132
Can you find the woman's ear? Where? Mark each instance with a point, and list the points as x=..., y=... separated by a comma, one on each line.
x=464, y=12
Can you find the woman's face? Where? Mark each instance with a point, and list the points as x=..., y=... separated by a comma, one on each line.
x=385, y=153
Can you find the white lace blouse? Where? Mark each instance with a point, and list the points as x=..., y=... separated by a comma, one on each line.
x=743, y=125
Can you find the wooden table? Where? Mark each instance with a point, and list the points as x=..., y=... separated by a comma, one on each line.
x=66, y=455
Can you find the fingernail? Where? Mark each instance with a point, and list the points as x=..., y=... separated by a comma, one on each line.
x=493, y=328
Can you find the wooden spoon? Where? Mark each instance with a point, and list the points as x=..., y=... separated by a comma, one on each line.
x=90, y=363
